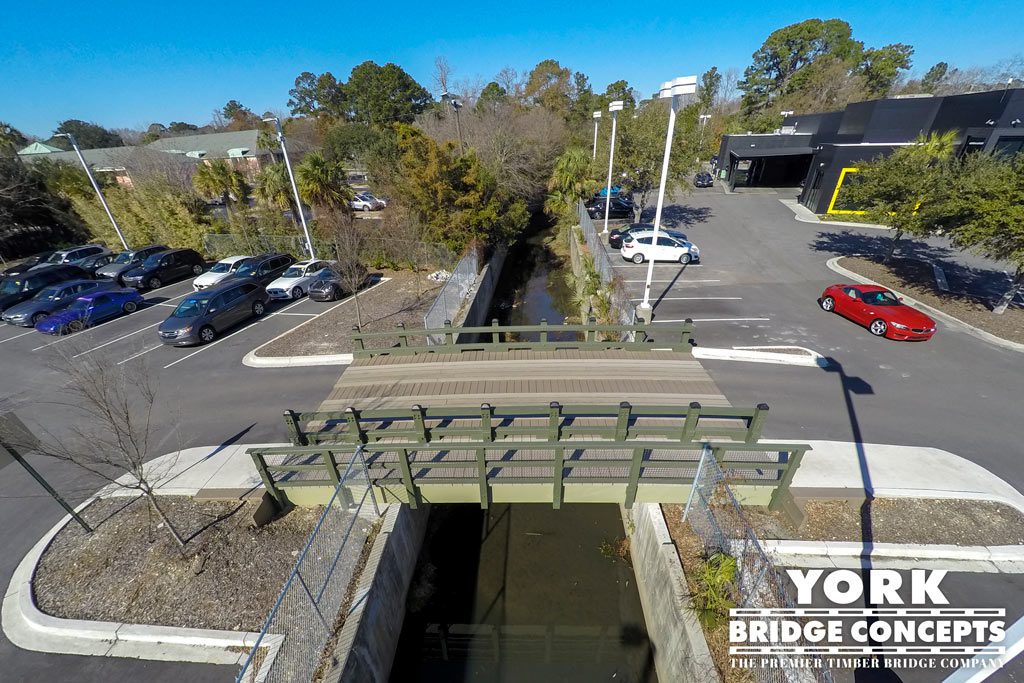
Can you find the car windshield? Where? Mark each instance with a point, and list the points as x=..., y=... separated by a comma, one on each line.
x=50, y=293
x=880, y=299
x=79, y=305
x=247, y=268
x=293, y=272
x=221, y=267
x=55, y=258
x=123, y=257
x=191, y=307
x=152, y=260
x=10, y=286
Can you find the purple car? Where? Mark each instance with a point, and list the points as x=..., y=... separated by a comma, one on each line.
x=90, y=310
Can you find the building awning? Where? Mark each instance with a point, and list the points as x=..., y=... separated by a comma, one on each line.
x=760, y=152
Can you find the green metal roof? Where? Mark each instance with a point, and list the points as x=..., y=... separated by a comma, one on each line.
x=212, y=145
x=39, y=148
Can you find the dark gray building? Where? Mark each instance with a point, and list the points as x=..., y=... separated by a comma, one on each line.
x=815, y=152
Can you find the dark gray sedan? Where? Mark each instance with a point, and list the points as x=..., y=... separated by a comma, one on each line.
x=52, y=299
x=201, y=317
x=127, y=260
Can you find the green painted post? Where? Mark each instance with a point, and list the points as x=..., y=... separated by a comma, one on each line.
x=558, y=455
x=355, y=430
x=449, y=337
x=295, y=433
x=410, y=486
x=634, y=476
x=690, y=425
x=332, y=467
x=268, y=480
x=487, y=432
x=421, y=425
x=357, y=340
x=544, y=332
x=591, y=322
x=495, y=334
x=622, y=425
x=554, y=421
x=756, y=425
x=403, y=338
x=684, y=336
x=787, y=478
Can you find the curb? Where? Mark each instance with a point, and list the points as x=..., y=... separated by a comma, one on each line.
x=29, y=628
x=751, y=354
x=798, y=215
x=253, y=361
x=833, y=265
x=1002, y=558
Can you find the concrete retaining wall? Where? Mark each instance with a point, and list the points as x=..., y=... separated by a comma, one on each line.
x=680, y=649
x=478, y=304
x=367, y=644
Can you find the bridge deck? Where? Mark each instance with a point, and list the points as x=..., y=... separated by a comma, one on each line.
x=524, y=377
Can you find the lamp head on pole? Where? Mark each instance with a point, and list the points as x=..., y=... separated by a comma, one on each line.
x=277, y=124
x=597, y=114
x=69, y=136
x=617, y=105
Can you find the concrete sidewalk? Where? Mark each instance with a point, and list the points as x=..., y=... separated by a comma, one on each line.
x=805, y=215
x=205, y=472
x=842, y=469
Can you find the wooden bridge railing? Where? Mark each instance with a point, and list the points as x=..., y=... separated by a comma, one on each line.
x=543, y=337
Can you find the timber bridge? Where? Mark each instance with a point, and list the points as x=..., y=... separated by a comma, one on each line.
x=527, y=414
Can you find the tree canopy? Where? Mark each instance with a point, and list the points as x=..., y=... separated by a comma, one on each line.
x=11, y=139
x=380, y=95
x=87, y=135
x=549, y=86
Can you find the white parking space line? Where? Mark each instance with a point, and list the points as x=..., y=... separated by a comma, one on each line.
x=140, y=353
x=714, y=320
x=114, y=341
x=313, y=315
x=104, y=325
x=656, y=265
x=17, y=336
x=167, y=303
x=698, y=298
x=665, y=282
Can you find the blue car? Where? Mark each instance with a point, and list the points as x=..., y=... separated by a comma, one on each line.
x=90, y=310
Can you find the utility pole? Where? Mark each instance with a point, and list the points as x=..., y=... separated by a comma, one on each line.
x=614, y=107
x=95, y=186
x=295, y=188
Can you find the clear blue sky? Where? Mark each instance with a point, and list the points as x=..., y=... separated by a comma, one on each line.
x=127, y=64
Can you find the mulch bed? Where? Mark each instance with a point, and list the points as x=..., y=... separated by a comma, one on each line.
x=404, y=299
x=131, y=570
x=916, y=278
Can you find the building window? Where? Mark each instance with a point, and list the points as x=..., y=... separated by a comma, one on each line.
x=972, y=145
x=1009, y=146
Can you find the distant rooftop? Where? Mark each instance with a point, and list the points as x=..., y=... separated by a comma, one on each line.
x=236, y=143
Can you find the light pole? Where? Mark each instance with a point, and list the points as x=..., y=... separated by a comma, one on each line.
x=673, y=90
x=295, y=188
x=614, y=107
x=95, y=186
x=597, y=120
x=456, y=106
x=704, y=118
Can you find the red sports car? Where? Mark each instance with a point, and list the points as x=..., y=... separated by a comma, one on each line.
x=878, y=309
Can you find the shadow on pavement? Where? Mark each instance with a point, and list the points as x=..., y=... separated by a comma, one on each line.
x=676, y=215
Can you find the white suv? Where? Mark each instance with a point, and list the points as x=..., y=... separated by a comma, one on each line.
x=220, y=270
x=73, y=256
x=638, y=247
x=295, y=281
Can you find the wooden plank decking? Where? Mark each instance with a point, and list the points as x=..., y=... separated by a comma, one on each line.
x=523, y=378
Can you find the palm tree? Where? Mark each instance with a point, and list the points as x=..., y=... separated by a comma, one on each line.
x=322, y=183
x=570, y=180
x=217, y=178
x=274, y=190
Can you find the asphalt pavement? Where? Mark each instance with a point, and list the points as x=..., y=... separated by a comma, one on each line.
x=204, y=396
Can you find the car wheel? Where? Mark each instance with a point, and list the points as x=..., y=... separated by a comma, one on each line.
x=197, y=269
x=38, y=317
x=130, y=307
x=207, y=334
x=335, y=293
x=365, y=208
x=638, y=258
x=685, y=259
x=878, y=328
x=75, y=326
x=258, y=308
x=828, y=304
x=154, y=283
x=296, y=292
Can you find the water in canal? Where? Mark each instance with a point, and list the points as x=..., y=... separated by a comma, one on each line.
x=524, y=592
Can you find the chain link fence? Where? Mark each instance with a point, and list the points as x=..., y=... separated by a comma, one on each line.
x=602, y=263
x=379, y=252
x=291, y=645
x=716, y=518
x=454, y=292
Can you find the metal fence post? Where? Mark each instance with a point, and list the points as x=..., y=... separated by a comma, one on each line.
x=410, y=485
x=634, y=476
x=268, y=480
x=355, y=429
x=487, y=432
x=787, y=478
x=690, y=424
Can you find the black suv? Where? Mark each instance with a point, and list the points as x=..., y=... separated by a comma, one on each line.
x=163, y=267
x=264, y=268
x=18, y=288
x=127, y=260
x=703, y=179
x=620, y=208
